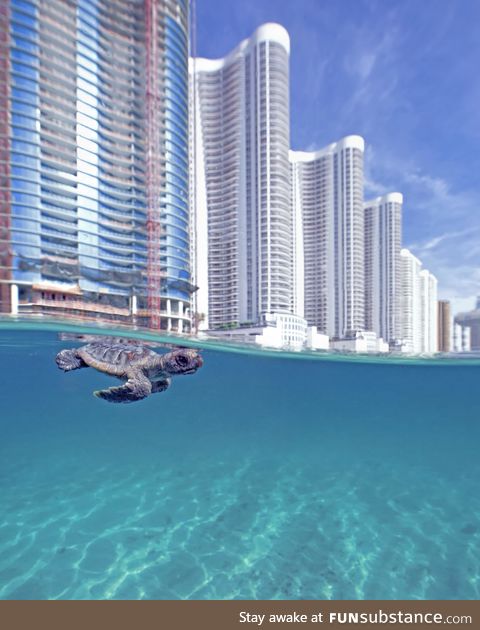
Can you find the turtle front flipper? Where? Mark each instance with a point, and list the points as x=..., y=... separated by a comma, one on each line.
x=68, y=360
x=160, y=386
x=137, y=387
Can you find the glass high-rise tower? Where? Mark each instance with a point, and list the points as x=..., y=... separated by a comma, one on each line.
x=94, y=219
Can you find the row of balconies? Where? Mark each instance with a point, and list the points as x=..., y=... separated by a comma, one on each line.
x=60, y=237
x=68, y=202
x=59, y=174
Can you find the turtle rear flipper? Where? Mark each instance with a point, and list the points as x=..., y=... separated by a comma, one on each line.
x=68, y=360
x=137, y=387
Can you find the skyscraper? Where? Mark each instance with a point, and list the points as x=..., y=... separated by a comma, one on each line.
x=383, y=226
x=327, y=193
x=428, y=296
x=94, y=160
x=444, y=324
x=418, y=306
x=411, y=330
x=240, y=183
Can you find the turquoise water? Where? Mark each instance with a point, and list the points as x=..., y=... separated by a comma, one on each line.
x=262, y=476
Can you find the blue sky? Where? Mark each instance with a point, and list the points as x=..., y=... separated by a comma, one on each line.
x=406, y=76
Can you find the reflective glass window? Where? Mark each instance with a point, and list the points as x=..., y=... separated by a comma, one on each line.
x=26, y=20
x=23, y=147
x=22, y=29
x=23, y=69
x=24, y=108
x=23, y=56
x=24, y=82
x=23, y=121
x=24, y=44
x=26, y=161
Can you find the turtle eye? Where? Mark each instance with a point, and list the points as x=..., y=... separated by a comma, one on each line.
x=182, y=360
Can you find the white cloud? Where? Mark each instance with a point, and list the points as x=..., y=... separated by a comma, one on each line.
x=458, y=275
x=363, y=64
x=371, y=66
x=373, y=187
x=462, y=305
x=437, y=186
x=433, y=243
x=460, y=288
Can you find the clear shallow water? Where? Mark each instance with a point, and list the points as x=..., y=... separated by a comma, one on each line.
x=261, y=476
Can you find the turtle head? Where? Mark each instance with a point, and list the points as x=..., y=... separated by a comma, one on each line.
x=183, y=361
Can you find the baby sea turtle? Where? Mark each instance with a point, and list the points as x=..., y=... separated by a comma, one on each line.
x=144, y=371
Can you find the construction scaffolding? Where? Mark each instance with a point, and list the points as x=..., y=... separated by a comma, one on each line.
x=153, y=157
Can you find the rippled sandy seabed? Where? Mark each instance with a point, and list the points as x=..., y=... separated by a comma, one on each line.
x=261, y=476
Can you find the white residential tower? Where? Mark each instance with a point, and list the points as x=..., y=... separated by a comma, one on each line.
x=327, y=194
x=383, y=238
x=240, y=193
x=418, y=306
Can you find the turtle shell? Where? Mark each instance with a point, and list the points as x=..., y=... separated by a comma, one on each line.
x=115, y=358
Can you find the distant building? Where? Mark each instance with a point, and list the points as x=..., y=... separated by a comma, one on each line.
x=461, y=338
x=327, y=195
x=411, y=333
x=444, y=324
x=383, y=238
x=471, y=321
x=94, y=216
x=428, y=312
x=276, y=330
x=418, y=301
x=240, y=193
x=316, y=340
x=360, y=342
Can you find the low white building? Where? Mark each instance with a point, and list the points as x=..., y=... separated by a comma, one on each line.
x=316, y=340
x=284, y=330
x=277, y=330
x=360, y=341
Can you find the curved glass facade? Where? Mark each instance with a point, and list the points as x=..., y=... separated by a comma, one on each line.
x=75, y=156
